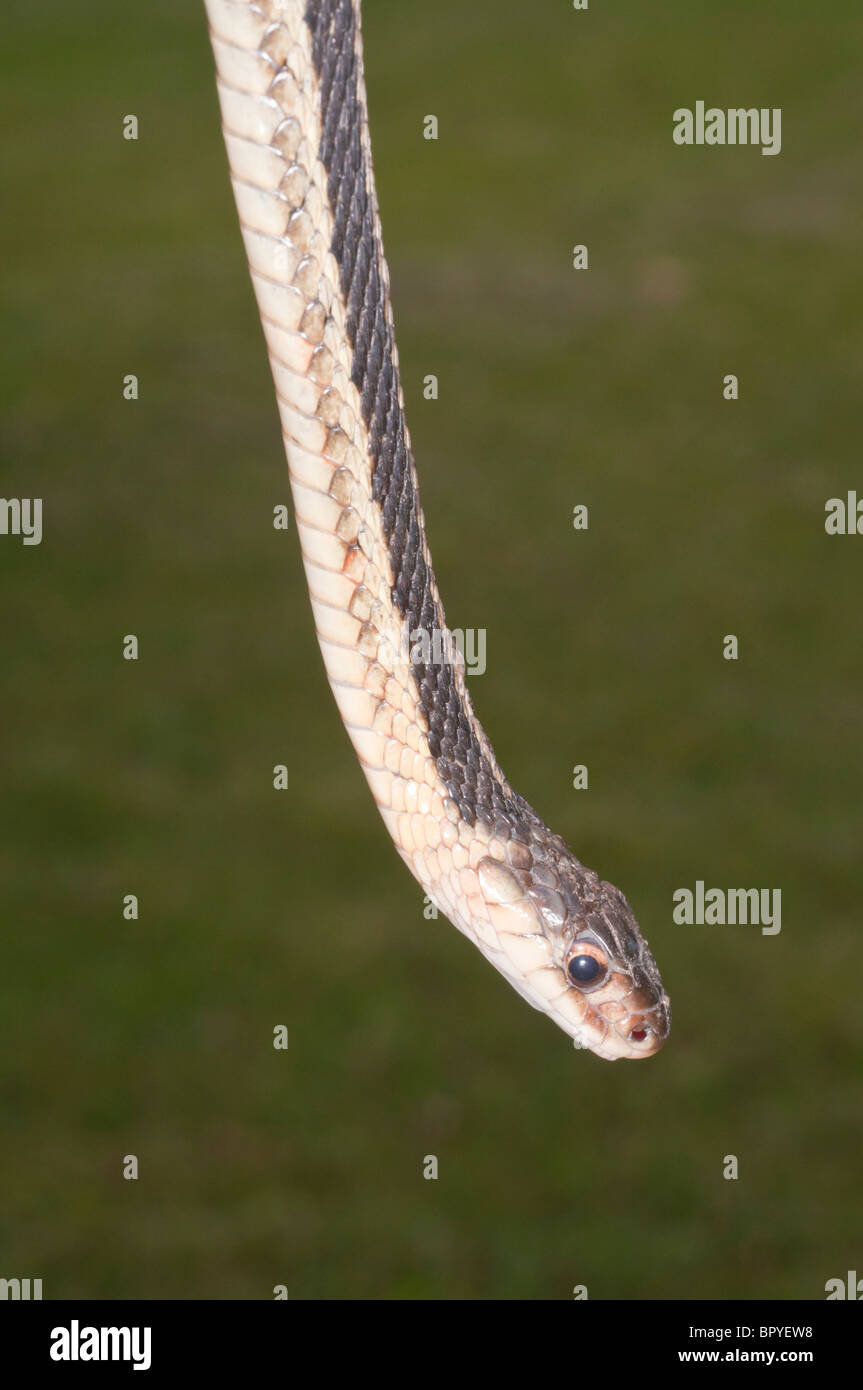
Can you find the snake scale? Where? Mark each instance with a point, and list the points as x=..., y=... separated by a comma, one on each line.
x=294, y=117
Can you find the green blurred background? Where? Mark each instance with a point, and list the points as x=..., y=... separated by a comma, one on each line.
x=258, y=908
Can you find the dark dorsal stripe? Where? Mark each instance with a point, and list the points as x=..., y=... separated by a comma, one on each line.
x=473, y=781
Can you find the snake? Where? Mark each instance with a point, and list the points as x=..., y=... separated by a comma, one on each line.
x=294, y=115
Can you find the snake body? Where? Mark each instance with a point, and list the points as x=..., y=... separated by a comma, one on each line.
x=294, y=117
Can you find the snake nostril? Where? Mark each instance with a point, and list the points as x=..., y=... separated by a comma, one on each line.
x=638, y=1034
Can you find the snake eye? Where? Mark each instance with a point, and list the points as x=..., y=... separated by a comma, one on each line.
x=587, y=966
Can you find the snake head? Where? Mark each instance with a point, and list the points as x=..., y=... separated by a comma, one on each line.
x=570, y=944
x=607, y=962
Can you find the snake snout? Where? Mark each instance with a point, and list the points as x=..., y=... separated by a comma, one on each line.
x=647, y=1022
x=638, y=1020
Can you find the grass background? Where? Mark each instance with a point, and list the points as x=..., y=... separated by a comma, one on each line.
x=258, y=908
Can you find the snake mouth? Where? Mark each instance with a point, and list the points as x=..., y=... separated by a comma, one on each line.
x=644, y=1041
x=633, y=1041
x=646, y=1032
x=634, y=1027
x=629, y=1024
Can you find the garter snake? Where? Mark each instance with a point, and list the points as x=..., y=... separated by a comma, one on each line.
x=294, y=118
